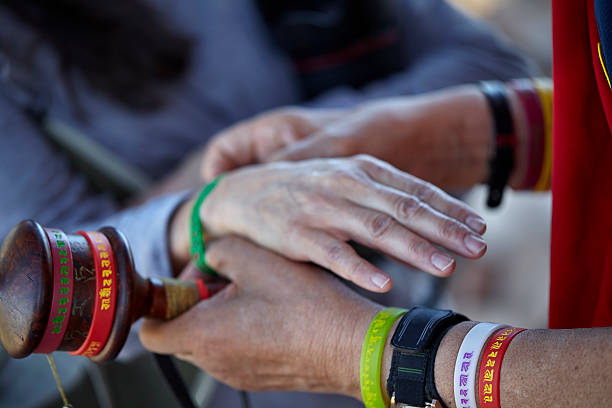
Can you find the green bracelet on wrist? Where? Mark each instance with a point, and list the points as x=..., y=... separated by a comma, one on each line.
x=371, y=356
x=197, y=248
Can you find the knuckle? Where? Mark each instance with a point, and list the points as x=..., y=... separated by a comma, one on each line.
x=214, y=257
x=346, y=178
x=419, y=248
x=219, y=252
x=356, y=269
x=363, y=159
x=379, y=225
x=369, y=163
x=459, y=211
x=342, y=175
x=424, y=190
x=334, y=253
x=450, y=230
x=408, y=208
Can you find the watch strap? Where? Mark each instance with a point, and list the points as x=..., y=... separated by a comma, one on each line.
x=505, y=141
x=415, y=341
x=430, y=385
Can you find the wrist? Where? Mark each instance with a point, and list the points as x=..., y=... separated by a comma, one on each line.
x=444, y=366
x=463, y=141
x=211, y=210
x=385, y=368
x=521, y=130
x=179, y=230
x=346, y=369
x=178, y=235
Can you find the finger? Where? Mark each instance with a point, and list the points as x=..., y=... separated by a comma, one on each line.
x=193, y=274
x=381, y=231
x=221, y=156
x=418, y=217
x=386, y=174
x=340, y=258
x=243, y=262
x=312, y=147
x=177, y=335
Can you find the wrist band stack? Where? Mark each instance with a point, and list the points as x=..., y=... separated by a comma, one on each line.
x=502, y=163
x=411, y=381
x=535, y=137
x=544, y=89
x=197, y=248
x=535, y=97
x=490, y=367
x=470, y=375
x=371, y=356
x=464, y=383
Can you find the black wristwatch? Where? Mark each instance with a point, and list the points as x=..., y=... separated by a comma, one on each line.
x=415, y=342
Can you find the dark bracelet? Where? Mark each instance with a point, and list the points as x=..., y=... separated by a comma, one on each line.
x=502, y=163
x=415, y=344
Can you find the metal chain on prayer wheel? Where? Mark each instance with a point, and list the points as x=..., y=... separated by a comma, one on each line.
x=80, y=293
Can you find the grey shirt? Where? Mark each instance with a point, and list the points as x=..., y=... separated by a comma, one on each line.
x=237, y=72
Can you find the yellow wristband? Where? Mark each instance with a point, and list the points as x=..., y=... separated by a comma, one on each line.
x=371, y=356
x=544, y=88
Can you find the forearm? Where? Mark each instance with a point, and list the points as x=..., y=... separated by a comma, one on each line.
x=539, y=366
x=450, y=131
x=178, y=235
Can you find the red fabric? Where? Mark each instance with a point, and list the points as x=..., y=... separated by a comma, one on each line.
x=581, y=244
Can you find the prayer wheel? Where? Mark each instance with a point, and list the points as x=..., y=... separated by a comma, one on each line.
x=80, y=293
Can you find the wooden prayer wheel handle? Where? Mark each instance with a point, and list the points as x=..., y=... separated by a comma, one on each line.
x=60, y=292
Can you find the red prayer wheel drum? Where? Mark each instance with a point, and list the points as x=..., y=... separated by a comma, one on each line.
x=79, y=293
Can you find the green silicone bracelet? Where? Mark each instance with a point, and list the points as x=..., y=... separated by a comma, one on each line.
x=197, y=248
x=371, y=356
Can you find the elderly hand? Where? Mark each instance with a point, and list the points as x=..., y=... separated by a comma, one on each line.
x=443, y=137
x=279, y=325
x=252, y=141
x=307, y=211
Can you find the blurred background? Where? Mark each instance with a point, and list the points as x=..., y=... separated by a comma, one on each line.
x=509, y=284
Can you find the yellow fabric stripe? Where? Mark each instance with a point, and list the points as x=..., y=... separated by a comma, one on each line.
x=602, y=64
x=544, y=87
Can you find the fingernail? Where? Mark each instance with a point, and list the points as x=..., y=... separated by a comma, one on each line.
x=379, y=280
x=441, y=261
x=476, y=223
x=474, y=244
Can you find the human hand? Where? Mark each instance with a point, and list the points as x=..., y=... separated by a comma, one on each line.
x=251, y=141
x=279, y=325
x=443, y=137
x=307, y=211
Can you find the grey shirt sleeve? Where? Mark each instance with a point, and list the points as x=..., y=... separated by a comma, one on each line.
x=442, y=47
x=38, y=182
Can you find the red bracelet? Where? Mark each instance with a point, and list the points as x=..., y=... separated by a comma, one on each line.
x=203, y=289
x=63, y=288
x=106, y=295
x=490, y=367
x=536, y=134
